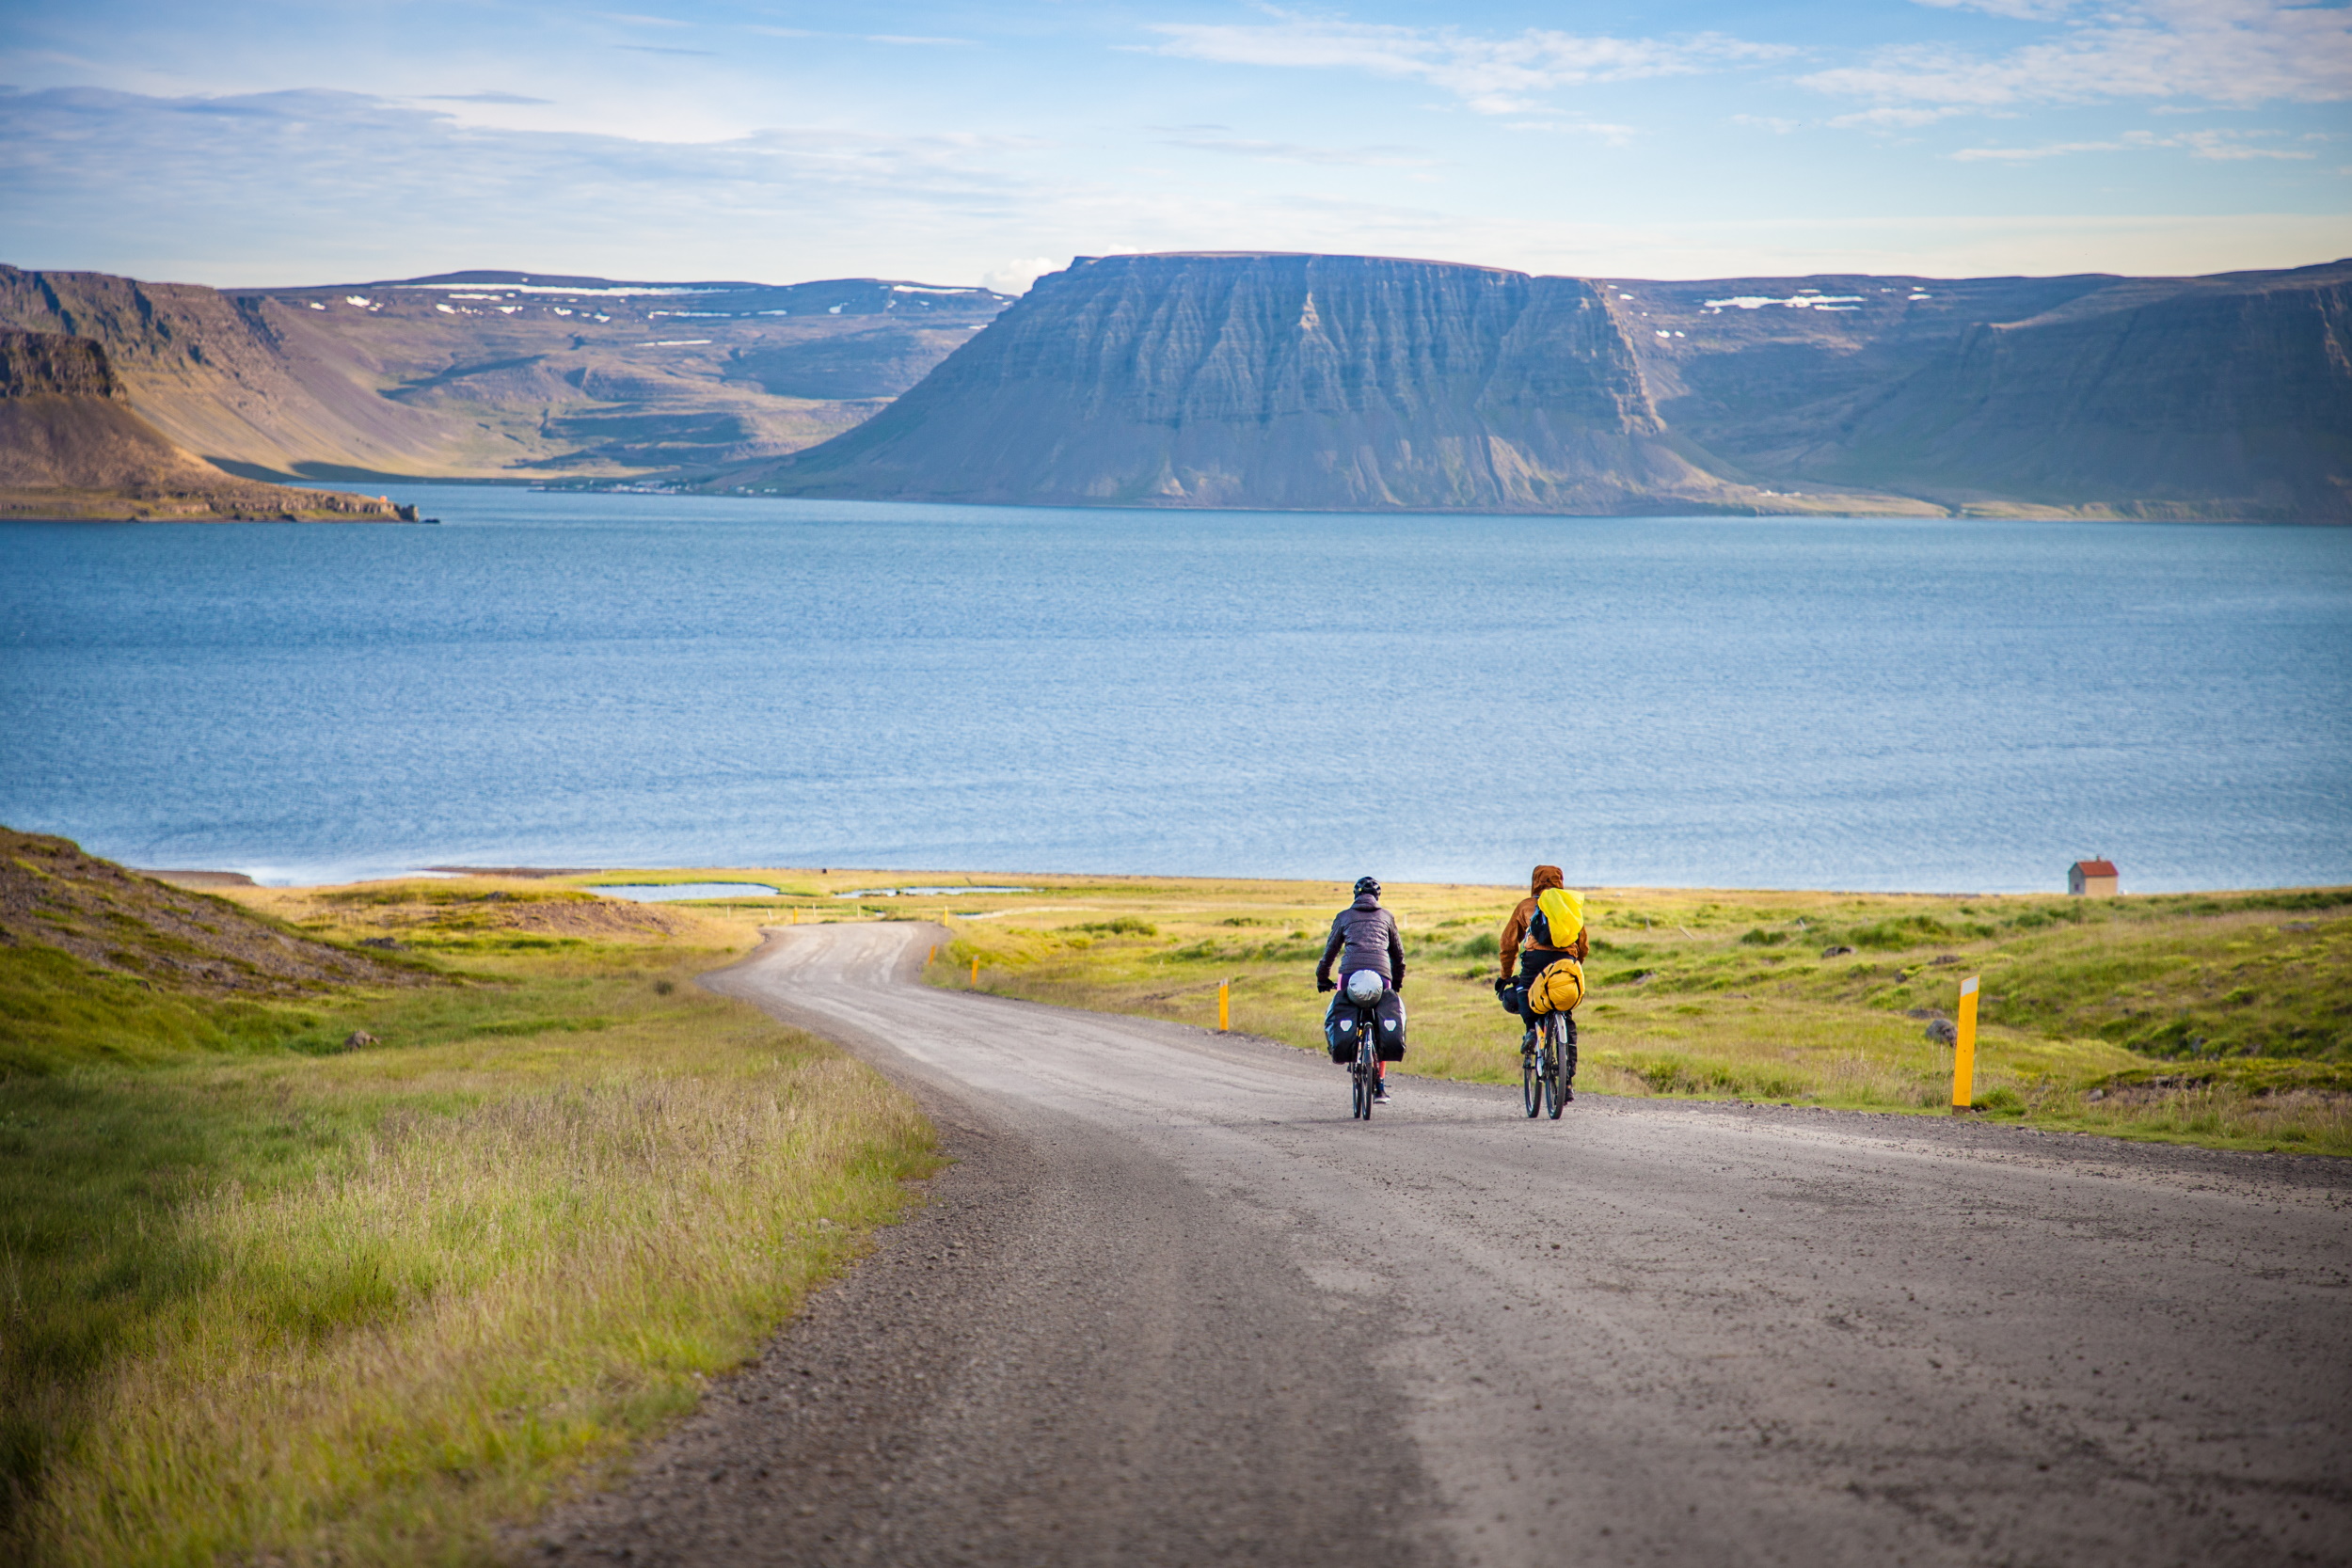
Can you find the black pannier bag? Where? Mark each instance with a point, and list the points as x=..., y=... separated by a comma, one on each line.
x=1390, y=1008
x=1341, y=1023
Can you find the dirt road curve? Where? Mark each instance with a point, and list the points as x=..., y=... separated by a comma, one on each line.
x=1172, y=1305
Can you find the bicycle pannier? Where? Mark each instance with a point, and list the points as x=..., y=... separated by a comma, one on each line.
x=1557, y=990
x=1339, y=1032
x=1390, y=1015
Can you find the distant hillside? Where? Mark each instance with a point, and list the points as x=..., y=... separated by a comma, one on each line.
x=2191, y=397
x=1283, y=381
x=1364, y=383
x=71, y=445
x=501, y=374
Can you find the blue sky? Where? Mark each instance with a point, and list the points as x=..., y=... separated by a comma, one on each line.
x=959, y=142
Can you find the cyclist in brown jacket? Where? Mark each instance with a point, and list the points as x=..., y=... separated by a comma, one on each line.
x=1532, y=960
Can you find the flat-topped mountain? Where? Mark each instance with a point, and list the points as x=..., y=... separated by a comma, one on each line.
x=72, y=446
x=1285, y=381
x=503, y=374
x=1355, y=382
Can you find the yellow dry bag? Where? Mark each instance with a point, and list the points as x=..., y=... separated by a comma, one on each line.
x=1558, y=988
x=1563, y=915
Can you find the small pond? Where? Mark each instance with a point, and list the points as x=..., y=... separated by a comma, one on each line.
x=661, y=893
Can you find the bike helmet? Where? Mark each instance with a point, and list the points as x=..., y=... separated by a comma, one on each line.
x=1367, y=884
x=1365, y=985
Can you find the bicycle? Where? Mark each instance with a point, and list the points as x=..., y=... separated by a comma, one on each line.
x=1548, y=1068
x=1363, y=1073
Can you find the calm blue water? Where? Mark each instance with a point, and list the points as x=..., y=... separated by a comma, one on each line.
x=632, y=680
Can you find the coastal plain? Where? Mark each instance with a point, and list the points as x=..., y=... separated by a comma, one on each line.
x=2222, y=1018
x=446, y=1228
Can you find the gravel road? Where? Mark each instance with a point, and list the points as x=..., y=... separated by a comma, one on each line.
x=1172, y=1305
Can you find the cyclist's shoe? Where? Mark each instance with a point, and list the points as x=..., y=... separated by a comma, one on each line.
x=1380, y=1094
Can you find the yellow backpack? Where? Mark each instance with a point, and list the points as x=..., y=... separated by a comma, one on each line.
x=1558, y=988
x=1563, y=913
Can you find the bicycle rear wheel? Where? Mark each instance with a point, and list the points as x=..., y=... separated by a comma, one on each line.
x=1555, y=1072
x=1532, y=1078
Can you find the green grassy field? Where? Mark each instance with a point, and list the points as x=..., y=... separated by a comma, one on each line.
x=2217, y=1019
x=268, y=1299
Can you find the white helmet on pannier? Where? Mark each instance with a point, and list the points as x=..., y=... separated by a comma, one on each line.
x=1365, y=985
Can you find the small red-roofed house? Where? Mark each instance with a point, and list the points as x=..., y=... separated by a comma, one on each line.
x=2091, y=878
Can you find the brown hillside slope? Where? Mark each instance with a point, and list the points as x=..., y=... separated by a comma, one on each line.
x=2228, y=396
x=54, y=895
x=501, y=374
x=72, y=447
x=215, y=377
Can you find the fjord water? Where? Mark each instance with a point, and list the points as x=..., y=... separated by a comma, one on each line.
x=642, y=680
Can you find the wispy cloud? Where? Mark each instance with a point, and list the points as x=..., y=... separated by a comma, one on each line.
x=920, y=41
x=2219, y=146
x=1614, y=136
x=481, y=98
x=374, y=160
x=2234, y=51
x=1491, y=74
x=1295, y=152
x=2023, y=10
x=664, y=49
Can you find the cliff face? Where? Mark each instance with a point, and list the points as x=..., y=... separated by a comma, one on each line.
x=34, y=363
x=1279, y=381
x=72, y=446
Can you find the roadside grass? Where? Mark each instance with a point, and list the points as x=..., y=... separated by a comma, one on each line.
x=2223, y=1019
x=264, y=1299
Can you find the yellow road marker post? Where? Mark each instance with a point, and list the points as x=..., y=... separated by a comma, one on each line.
x=1224, y=1005
x=975, y=970
x=1964, y=1048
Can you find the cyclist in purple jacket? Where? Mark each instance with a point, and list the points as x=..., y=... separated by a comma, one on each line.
x=1363, y=937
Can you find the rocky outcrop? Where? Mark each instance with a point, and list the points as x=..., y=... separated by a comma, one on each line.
x=1280, y=381
x=72, y=446
x=35, y=363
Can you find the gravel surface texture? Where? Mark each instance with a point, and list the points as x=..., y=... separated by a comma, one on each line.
x=1170, y=1304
